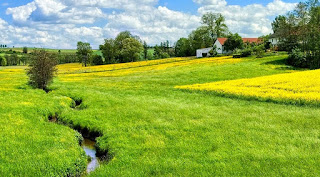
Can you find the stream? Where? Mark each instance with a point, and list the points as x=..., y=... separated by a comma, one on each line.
x=88, y=147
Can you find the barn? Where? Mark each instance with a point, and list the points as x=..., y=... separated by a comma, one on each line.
x=203, y=52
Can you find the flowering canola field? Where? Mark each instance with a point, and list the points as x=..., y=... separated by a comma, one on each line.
x=299, y=87
x=75, y=72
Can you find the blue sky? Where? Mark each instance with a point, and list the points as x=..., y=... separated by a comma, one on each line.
x=189, y=6
x=60, y=24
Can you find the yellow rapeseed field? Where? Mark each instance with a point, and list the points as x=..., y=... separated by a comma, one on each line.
x=299, y=87
x=77, y=68
x=75, y=72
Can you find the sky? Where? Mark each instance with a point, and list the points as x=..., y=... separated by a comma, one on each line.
x=62, y=23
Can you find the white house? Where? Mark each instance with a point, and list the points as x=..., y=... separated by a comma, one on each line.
x=274, y=40
x=206, y=51
x=220, y=45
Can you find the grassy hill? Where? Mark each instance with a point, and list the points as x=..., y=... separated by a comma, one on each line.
x=152, y=128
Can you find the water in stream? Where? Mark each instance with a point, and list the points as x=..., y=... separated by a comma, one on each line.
x=88, y=147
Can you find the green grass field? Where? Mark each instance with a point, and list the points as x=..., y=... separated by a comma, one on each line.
x=153, y=129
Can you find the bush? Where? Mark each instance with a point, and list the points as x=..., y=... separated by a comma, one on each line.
x=96, y=60
x=297, y=58
x=150, y=56
x=259, y=51
x=42, y=69
x=3, y=61
x=68, y=58
x=164, y=55
x=246, y=52
x=213, y=52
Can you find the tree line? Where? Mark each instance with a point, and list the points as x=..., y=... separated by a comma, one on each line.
x=299, y=34
x=126, y=47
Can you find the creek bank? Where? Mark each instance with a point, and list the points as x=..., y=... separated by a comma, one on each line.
x=87, y=141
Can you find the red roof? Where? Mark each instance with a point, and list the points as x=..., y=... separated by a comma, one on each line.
x=245, y=40
x=251, y=40
x=222, y=40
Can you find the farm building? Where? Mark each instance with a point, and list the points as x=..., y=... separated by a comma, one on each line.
x=220, y=43
x=203, y=52
x=220, y=46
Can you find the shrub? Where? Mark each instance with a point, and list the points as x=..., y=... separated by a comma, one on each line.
x=246, y=52
x=259, y=51
x=236, y=53
x=165, y=55
x=41, y=69
x=297, y=58
x=96, y=60
x=3, y=61
x=150, y=56
x=213, y=52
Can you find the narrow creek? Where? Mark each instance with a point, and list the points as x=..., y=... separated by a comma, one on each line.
x=89, y=147
x=88, y=144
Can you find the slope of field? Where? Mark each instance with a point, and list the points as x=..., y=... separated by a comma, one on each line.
x=300, y=87
x=71, y=72
x=30, y=146
x=153, y=129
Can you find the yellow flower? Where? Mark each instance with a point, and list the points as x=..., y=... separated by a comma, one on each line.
x=299, y=87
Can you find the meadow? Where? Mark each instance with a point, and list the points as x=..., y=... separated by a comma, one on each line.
x=152, y=128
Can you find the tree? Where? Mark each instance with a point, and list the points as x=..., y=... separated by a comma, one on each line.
x=200, y=38
x=25, y=50
x=84, y=51
x=119, y=49
x=145, y=50
x=108, y=50
x=182, y=48
x=278, y=23
x=119, y=42
x=12, y=60
x=214, y=22
x=265, y=40
x=233, y=42
x=41, y=69
x=299, y=34
x=131, y=50
x=24, y=59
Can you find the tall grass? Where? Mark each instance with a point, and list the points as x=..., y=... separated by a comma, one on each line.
x=153, y=129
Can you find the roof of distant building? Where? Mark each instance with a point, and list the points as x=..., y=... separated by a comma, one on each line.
x=245, y=40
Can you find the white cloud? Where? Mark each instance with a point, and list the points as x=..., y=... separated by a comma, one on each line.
x=155, y=24
x=22, y=13
x=250, y=21
x=61, y=23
